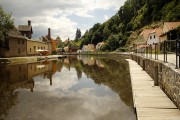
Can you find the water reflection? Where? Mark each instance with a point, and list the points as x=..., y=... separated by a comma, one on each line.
x=73, y=88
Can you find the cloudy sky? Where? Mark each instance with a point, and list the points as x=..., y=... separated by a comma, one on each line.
x=62, y=16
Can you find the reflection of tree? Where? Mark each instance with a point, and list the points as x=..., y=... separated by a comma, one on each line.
x=8, y=98
x=12, y=78
x=114, y=74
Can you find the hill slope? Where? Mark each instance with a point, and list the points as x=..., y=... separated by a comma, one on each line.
x=132, y=16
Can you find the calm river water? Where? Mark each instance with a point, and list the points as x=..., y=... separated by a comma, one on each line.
x=73, y=88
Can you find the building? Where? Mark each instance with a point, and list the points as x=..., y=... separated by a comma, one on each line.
x=73, y=49
x=154, y=36
x=26, y=30
x=167, y=32
x=66, y=49
x=142, y=38
x=37, y=47
x=51, y=42
x=88, y=48
x=14, y=46
x=99, y=45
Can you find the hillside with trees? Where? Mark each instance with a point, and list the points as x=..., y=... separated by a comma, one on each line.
x=131, y=17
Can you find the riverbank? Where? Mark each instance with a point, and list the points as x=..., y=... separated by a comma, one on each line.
x=29, y=59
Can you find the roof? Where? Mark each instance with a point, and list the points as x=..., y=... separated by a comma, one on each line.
x=172, y=25
x=145, y=33
x=25, y=28
x=158, y=31
x=14, y=33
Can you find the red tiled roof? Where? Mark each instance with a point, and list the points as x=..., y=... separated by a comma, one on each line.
x=145, y=33
x=172, y=25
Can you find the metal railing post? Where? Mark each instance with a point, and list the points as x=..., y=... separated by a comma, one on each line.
x=164, y=50
x=176, y=54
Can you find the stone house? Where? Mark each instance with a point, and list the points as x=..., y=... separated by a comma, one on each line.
x=14, y=46
x=154, y=36
x=26, y=30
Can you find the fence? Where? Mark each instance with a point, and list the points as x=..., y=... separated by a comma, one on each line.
x=166, y=47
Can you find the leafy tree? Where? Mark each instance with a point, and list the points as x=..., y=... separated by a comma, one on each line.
x=6, y=23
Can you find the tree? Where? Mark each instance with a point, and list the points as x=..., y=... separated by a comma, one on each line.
x=6, y=23
x=78, y=34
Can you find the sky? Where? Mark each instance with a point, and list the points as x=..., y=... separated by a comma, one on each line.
x=62, y=16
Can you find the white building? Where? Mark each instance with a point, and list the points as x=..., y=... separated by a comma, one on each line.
x=99, y=45
x=154, y=36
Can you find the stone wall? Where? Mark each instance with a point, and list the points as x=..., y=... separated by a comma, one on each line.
x=168, y=78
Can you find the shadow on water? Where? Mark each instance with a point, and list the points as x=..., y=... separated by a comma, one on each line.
x=26, y=85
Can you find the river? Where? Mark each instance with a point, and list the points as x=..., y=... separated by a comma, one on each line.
x=72, y=88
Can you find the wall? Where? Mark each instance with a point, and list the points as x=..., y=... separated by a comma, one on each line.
x=17, y=47
x=32, y=46
x=151, y=40
x=168, y=76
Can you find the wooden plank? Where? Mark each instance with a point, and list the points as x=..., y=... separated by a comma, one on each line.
x=159, y=113
x=150, y=101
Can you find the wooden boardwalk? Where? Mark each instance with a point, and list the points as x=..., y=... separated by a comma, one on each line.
x=150, y=101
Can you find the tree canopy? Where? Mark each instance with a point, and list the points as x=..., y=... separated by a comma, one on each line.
x=132, y=16
x=6, y=23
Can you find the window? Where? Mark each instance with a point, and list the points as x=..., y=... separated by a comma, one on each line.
x=154, y=36
x=41, y=48
x=150, y=37
x=30, y=50
x=19, y=50
x=34, y=48
x=44, y=48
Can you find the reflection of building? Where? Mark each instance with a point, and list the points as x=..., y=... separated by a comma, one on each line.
x=21, y=75
x=88, y=60
x=16, y=76
x=99, y=63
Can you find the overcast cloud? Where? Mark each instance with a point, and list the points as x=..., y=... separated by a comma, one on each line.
x=62, y=16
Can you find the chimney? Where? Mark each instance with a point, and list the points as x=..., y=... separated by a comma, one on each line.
x=29, y=22
x=49, y=33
